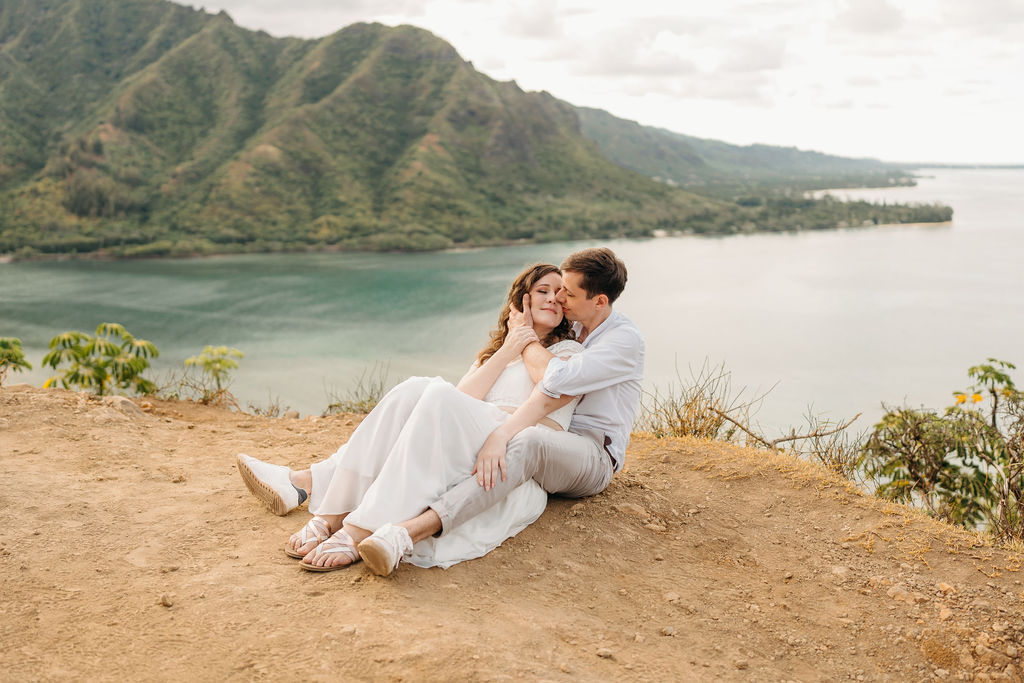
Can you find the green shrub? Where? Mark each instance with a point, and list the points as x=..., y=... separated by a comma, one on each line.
x=11, y=357
x=216, y=364
x=112, y=358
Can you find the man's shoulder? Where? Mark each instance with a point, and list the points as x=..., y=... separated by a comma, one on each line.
x=624, y=328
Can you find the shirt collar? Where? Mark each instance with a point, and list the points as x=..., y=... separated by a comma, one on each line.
x=597, y=331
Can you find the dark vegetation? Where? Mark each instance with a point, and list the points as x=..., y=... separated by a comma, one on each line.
x=144, y=128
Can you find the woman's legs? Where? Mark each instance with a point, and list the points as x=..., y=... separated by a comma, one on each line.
x=436, y=447
x=336, y=485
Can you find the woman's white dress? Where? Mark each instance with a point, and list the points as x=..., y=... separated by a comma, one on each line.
x=422, y=439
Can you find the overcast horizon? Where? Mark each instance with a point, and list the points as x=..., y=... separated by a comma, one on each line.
x=914, y=81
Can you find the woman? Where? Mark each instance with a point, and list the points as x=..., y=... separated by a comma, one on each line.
x=424, y=437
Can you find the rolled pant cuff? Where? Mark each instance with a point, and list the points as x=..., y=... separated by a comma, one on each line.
x=444, y=514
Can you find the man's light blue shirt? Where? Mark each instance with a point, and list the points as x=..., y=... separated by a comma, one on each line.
x=607, y=373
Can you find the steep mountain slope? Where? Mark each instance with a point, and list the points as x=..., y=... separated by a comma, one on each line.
x=166, y=126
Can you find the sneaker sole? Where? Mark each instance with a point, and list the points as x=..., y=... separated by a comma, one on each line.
x=263, y=493
x=376, y=557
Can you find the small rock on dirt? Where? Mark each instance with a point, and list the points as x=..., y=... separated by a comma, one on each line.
x=605, y=653
x=123, y=405
x=630, y=509
x=291, y=415
x=165, y=600
x=668, y=631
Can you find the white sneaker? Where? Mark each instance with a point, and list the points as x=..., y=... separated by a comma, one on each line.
x=270, y=484
x=385, y=549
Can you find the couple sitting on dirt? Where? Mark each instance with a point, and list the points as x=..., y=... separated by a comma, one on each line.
x=437, y=474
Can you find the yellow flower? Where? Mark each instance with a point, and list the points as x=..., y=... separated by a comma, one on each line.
x=975, y=398
x=960, y=398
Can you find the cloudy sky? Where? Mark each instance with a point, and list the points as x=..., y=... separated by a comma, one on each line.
x=899, y=80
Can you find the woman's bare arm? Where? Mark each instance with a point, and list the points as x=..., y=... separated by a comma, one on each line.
x=478, y=381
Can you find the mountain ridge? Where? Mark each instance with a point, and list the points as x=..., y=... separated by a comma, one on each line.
x=143, y=128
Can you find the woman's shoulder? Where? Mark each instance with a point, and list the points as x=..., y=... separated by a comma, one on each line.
x=565, y=346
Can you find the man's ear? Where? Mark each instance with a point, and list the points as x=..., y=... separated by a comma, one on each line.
x=602, y=300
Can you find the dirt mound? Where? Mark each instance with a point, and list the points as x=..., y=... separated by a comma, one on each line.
x=129, y=548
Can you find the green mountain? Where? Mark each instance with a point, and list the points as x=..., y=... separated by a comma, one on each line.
x=141, y=127
x=140, y=122
x=715, y=167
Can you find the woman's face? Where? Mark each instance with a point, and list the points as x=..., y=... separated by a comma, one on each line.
x=547, y=312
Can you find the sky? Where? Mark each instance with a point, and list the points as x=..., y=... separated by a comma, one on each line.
x=897, y=80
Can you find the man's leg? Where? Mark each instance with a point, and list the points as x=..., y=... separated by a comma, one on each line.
x=561, y=462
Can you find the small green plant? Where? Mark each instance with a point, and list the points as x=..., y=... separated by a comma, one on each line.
x=12, y=358
x=112, y=359
x=215, y=364
x=369, y=389
x=924, y=458
x=965, y=465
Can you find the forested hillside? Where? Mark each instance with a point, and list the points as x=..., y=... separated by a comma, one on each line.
x=719, y=168
x=141, y=127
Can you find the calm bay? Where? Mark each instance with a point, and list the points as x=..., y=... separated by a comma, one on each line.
x=837, y=320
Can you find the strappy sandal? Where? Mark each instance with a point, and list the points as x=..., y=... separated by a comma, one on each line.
x=317, y=530
x=332, y=546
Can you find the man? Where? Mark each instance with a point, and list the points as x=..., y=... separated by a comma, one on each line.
x=576, y=463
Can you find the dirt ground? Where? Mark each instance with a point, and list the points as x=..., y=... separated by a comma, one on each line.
x=130, y=549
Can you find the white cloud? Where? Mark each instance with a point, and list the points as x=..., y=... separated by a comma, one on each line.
x=866, y=77
x=873, y=17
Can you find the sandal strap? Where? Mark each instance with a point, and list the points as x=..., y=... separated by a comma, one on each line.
x=316, y=529
x=332, y=546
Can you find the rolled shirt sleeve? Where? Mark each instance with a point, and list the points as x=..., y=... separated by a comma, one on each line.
x=619, y=357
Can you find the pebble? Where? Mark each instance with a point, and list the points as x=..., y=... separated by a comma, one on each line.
x=787, y=576
x=668, y=631
x=637, y=638
x=165, y=600
x=658, y=558
x=576, y=510
x=671, y=597
x=349, y=630
x=630, y=509
x=605, y=653
x=660, y=528
x=945, y=588
x=741, y=664
x=291, y=415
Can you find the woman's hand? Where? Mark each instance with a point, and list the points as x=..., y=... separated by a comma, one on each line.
x=520, y=318
x=517, y=339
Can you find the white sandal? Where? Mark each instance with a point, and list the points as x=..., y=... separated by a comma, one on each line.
x=331, y=546
x=317, y=530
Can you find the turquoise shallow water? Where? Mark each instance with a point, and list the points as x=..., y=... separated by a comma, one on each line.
x=841, y=320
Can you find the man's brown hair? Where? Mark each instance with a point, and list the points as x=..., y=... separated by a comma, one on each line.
x=602, y=272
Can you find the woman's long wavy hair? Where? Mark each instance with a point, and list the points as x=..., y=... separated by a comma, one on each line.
x=520, y=287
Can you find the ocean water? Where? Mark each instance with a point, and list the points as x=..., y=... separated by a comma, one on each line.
x=835, y=322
